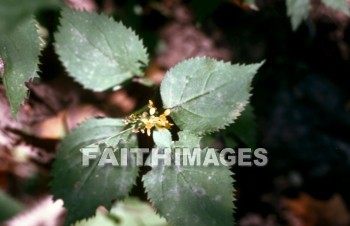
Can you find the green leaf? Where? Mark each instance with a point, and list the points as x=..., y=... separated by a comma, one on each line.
x=130, y=212
x=187, y=139
x=191, y=195
x=298, y=10
x=339, y=5
x=101, y=218
x=205, y=95
x=97, y=51
x=242, y=132
x=244, y=128
x=250, y=2
x=162, y=138
x=14, y=12
x=9, y=206
x=84, y=188
x=19, y=51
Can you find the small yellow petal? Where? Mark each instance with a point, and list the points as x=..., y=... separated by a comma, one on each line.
x=167, y=112
x=152, y=111
x=149, y=119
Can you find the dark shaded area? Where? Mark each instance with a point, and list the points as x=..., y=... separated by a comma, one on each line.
x=301, y=100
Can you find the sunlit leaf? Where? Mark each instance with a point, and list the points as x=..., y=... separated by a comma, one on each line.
x=84, y=188
x=206, y=95
x=97, y=51
x=19, y=51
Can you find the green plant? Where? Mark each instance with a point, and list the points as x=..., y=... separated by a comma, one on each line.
x=10, y=207
x=201, y=95
x=298, y=10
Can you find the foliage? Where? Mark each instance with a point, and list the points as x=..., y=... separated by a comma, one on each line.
x=202, y=95
x=340, y=5
x=192, y=84
x=15, y=12
x=97, y=51
x=298, y=10
x=130, y=212
x=9, y=206
x=243, y=131
x=80, y=187
x=19, y=66
x=191, y=195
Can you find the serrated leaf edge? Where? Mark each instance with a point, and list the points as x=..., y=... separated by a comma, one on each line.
x=114, y=21
x=54, y=198
x=234, y=113
x=15, y=109
x=159, y=212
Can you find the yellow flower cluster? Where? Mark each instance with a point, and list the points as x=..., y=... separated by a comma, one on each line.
x=147, y=120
